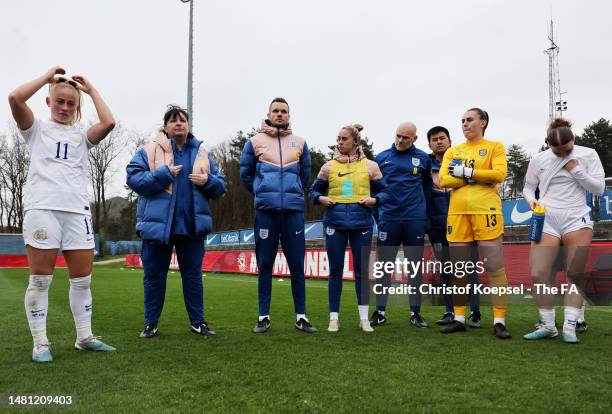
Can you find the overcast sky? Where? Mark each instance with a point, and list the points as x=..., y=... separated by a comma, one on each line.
x=335, y=61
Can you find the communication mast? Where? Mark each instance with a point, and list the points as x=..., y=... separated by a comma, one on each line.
x=556, y=104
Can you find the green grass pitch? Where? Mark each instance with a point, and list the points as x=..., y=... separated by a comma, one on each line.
x=398, y=368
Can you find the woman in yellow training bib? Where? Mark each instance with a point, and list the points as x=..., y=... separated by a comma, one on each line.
x=473, y=170
x=348, y=185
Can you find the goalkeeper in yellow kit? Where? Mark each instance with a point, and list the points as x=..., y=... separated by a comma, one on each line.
x=473, y=170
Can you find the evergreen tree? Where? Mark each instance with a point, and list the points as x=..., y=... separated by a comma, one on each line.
x=598, y=135
x=518, y=160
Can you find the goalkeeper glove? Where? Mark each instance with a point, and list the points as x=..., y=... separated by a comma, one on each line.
x=460, y=171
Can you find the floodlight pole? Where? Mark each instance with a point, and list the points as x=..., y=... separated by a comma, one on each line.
x=190, y=64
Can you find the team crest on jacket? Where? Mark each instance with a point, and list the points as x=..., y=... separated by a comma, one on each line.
x=330, y=231
x=382, y=235
x=416, y=162
x=263, y=233
x=293, y=145
x=482, y=152
x=449, y=229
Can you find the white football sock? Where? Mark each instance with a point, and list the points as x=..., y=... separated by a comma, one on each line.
x=571, y=314
x=301, y=316
x=333, y=316
x=460, y=318
x=81, y=304
x=581, y=313
x=499, y=320
x=261, y=318
x=547, y=317
x=36, y=304
x=363, y=311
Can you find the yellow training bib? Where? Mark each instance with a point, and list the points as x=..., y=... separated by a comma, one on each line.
x=348, y=182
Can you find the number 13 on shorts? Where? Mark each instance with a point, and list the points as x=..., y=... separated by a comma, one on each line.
x=465, y=228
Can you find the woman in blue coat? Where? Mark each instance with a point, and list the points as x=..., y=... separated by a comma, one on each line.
x=174, y=177
x=349, y=186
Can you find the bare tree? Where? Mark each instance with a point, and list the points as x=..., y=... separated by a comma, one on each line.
x=3, y=203
x=235, y=209
x=136, y=140
x=14, y=162
x=101, y=172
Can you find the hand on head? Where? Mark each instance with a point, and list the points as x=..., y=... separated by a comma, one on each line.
x=55, y=70
x=58, y=74
x=82, y=83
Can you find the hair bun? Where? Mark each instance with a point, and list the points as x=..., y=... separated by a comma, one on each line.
x=358, y=127
x=559, y=122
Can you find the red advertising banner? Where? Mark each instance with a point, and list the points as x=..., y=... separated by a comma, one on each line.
x=316, y=264
x=21, y=260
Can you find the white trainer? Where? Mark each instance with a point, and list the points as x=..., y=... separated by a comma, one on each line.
x=94, y=344
x=365, y=326
x=42, y=353
x=334, y=325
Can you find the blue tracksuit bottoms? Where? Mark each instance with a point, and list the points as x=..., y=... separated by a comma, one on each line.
x=156, y=261
x=410, y=234
x=335, y=243
x=288, y=227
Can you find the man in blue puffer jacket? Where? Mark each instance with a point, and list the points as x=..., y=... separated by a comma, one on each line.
x=406, y=171
x=174, y=177
x=274, y=167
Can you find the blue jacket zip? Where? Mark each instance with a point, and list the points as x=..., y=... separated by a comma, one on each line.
x=280, y=151
x=170, y=216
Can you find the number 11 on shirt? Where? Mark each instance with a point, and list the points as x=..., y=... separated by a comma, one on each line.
x=57, y=155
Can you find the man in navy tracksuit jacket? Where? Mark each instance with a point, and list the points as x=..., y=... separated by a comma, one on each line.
x=439, y=141
x=274, y=167
x=401, y=220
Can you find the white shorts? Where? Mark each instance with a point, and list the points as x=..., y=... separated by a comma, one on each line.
x=51, y=229
x=559, y=222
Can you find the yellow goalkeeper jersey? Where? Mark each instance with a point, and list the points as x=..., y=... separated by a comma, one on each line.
x=477, y=195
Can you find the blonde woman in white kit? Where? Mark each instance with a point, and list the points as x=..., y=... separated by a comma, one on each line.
x=563, y=173
x=56, y=201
